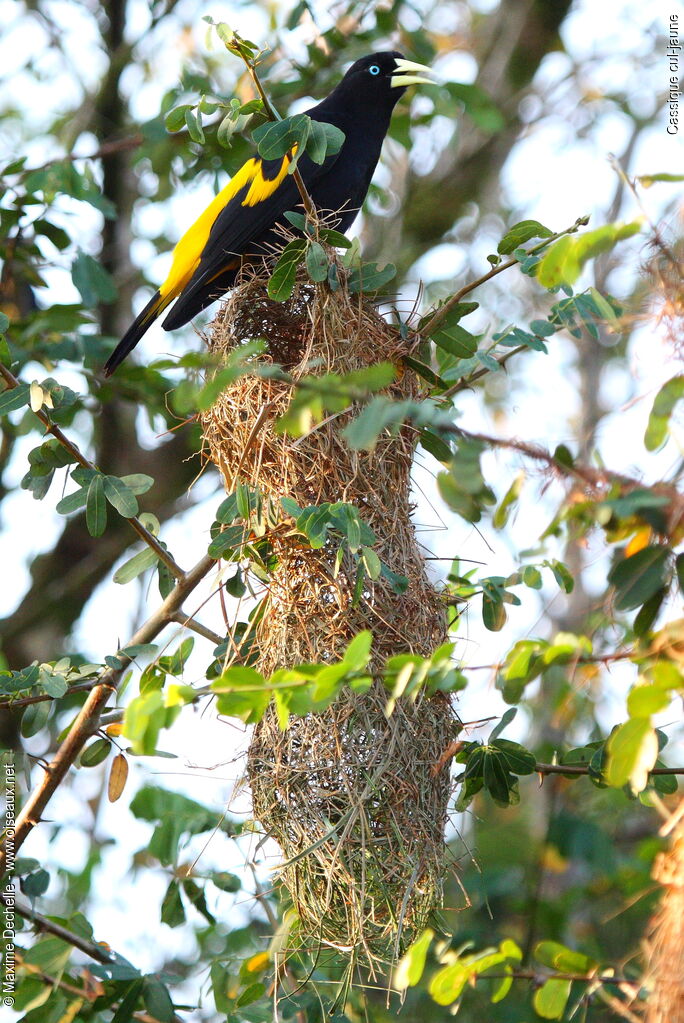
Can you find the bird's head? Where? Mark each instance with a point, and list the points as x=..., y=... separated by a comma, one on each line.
x=382, y=78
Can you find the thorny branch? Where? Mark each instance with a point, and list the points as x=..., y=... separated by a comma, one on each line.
x=95, y=950
x=88, y=719
x=439, y=314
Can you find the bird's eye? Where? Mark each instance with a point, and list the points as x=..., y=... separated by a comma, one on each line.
x=374, y=69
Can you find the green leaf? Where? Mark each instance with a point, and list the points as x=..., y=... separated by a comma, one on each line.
x=120, y=496
x=34, y=718
x=243, y=693
x=371, y=562
x=157, y=1000
x=505, y=721
x=172, y=911
x=370, y=277
x=324, y=140
x=93, y=282
x=500, y=517
x=447, y=984
x=138, y=482
x=565, y=960
x=650, y=179
x=497, y=780
x=648, y=612
x=531, y=577
x=334, y=238
x=95, y=753
x=493, y=611
x=632, y=753
x=551, y=998
x=316, y=262
x=518, y=760
x=225, y=881
x=562, y=575
x=282, y=280
x=644, y=700
x=663, y=406
x=96, y=507
x=72, y=502
x=639, y=577
x=357, y=654
x=193, y=122
x=129, y=1002
x=14, y=398
x=453, y=338
x=35, y=884
x=135, y=566
x=175, y=119
x=411, y=966
x=276, y=138
x=563, y=261
x=520, y=233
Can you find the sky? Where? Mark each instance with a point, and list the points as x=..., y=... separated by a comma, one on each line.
x=559, y=170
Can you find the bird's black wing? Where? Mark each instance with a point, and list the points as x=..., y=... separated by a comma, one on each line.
x=245, y=221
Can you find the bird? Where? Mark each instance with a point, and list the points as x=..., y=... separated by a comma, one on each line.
x=242, y=221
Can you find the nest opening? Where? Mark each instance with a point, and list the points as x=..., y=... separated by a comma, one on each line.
x=350, y=795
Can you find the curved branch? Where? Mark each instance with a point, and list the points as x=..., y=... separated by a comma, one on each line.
x=87, y=721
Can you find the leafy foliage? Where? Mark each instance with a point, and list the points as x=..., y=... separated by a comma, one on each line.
x=595, y=777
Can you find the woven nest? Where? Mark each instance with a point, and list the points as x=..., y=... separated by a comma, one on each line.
x=665, y=946
x=349, y=793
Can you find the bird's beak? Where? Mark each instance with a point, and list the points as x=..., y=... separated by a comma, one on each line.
x=404, y=73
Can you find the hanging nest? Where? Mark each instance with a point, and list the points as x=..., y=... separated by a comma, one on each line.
x=350, y=795
x=665, y=945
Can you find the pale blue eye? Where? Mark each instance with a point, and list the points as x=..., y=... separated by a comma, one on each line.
x=374, y=69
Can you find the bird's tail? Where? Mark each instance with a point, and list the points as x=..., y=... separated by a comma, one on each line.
x=143, y=320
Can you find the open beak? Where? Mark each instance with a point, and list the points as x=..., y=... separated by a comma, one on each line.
x=407, y=72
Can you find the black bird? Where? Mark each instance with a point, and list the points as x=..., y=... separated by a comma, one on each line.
x=243, y=217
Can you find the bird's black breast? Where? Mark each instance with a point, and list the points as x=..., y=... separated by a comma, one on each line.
x=344, y=184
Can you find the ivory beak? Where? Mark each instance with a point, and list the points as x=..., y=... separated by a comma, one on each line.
x=408, y=72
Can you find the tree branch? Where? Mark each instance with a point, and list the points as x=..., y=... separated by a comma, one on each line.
x=44, y=923
x=439, y=315
x=87, y=721
x=273, y=115
x=94, y=950
x=79, y=457
x=584, y=769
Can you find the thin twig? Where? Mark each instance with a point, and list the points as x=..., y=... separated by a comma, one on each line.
x=106, y=149
x=584, y=769
x=443, y=310
x=26, y=701
x=195, y=626
x=273, y=115
x=94, y=950
x=466, y=382
x=43, y=923
x=79, y=457
x=619, y=655
x=539, y=977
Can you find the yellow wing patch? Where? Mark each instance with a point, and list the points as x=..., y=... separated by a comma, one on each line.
x=187, y=253
x=262, y=187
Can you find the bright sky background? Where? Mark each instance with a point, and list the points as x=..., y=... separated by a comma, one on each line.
x=558, y=171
